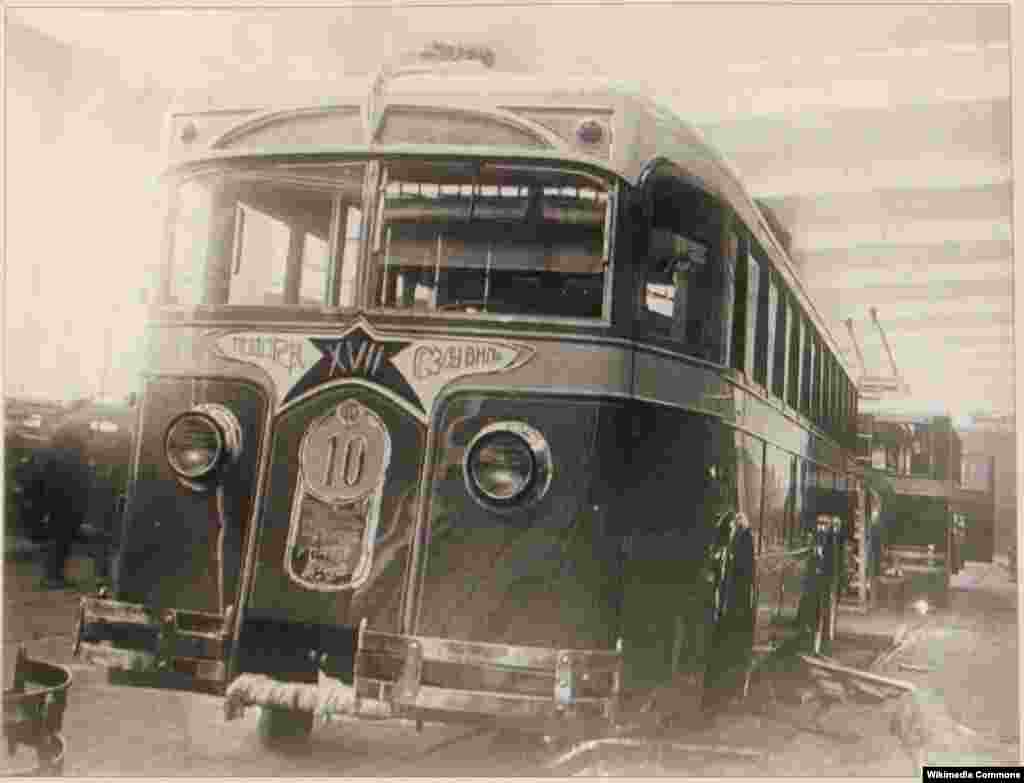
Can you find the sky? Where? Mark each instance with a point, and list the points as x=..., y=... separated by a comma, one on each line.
x=78, y=215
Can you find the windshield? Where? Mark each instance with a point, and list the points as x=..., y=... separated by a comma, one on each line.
x=449, y=236
x=268, y=235
x=491, y=238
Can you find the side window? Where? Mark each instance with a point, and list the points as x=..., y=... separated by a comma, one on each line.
x=686, y=288
x=670, y=285
x=842, y=425
x=780, y=367
x=750, y=478
x=730, y=265
x=741, y=316
x=842, y=405
x=808, y=366
x=826, y=390
x=826, y=387
x=847, y=411
x=795, y=380
x=833, y=395
x=810, y=506
x=852, y=405
x=794, y=531
x=755, y=283
x=840, y=414
x=778, y=497
x=765, y=343
x=823, y=378
x=816, y=385
x=773, y=318
x=814, y=389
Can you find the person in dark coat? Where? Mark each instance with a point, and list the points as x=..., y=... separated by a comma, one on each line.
x=61, y=492
x=733, y=633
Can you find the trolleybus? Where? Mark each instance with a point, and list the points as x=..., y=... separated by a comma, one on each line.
x=470, y=396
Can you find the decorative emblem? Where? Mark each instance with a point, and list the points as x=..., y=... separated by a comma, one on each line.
x=414, y=371
x=343, y=464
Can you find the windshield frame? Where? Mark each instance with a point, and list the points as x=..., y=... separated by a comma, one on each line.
x=372, y=201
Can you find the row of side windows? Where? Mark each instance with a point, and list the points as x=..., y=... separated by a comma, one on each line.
x=709, y=289
x=782, y=494
x=778, y=347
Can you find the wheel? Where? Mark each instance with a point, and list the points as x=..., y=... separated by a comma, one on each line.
x=284, y=729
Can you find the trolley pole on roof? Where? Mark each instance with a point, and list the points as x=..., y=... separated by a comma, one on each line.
x=888, y=349
x=856, y=346
x=874, y=387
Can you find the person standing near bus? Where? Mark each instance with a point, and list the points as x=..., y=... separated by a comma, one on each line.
x=61, y=492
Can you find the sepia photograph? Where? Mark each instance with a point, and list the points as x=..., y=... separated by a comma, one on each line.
x=493, y=389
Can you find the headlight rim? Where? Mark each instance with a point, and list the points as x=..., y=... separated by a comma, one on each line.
x=541, y=466
x=211, y=466
x=228, y=433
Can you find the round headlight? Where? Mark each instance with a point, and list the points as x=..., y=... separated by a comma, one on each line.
x=508, y=463
x=501, y=466
x=201, y=440
x=194, y=445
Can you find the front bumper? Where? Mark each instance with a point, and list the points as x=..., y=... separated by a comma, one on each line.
x=137, y=645
x=394, y=675
x=426, y=678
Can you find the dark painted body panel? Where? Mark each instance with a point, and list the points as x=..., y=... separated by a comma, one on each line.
x=169, y=551
x=543, y=576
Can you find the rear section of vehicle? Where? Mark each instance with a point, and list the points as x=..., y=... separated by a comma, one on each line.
x=919, y=532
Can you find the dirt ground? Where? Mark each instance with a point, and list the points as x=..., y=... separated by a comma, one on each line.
x=963, y=660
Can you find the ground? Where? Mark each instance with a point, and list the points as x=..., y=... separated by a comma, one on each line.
x=963, y=659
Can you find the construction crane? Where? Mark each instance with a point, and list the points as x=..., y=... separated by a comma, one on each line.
x=875, y=387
